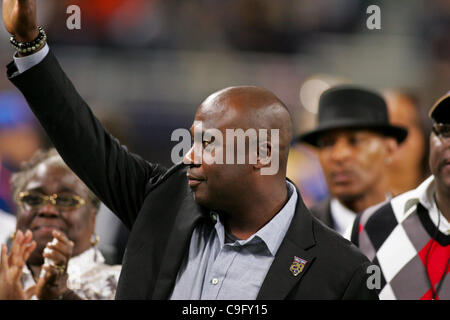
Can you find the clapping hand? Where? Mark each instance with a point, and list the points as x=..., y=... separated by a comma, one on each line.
x=12, y=264
x=52, y=283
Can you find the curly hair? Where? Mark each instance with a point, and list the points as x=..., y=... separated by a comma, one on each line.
x=27, y=170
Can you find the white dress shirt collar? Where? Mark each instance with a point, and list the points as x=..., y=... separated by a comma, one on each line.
x=427, y=199
x=342, y=216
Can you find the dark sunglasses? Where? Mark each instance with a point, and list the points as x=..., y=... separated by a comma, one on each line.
x=442, y=130
x=65, y=201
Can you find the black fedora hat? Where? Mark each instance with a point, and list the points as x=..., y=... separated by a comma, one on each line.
x=350, y=107
x=440, y=111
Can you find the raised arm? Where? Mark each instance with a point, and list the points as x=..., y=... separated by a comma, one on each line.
x=19, y=17
x=118, y=177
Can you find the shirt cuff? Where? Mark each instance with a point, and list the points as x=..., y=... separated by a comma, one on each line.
x=27, y=62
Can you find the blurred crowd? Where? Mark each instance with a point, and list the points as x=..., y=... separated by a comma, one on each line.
x=251, y=25
x=267, y=26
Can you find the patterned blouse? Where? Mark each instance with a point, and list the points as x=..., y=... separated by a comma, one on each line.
x=89, y=277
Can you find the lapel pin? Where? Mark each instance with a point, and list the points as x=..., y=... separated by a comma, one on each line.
x=297, y=266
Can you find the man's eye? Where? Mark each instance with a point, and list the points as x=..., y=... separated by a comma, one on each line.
x=442, y=130
x=325, y=143
x=206, y=143
x=354, y=141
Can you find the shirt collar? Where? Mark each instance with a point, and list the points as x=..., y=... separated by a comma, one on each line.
x=272, y=234
x=424, y=194
x=342, y=216
x=426, y=198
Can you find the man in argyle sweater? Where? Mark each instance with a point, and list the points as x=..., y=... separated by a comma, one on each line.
x=408, y=237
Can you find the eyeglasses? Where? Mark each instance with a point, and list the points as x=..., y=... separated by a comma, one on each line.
x=64, y=201
x=442, y=130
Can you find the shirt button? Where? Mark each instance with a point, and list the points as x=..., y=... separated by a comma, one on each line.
x=214, y=281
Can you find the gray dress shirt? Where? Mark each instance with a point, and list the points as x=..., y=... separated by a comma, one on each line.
x=220, y=266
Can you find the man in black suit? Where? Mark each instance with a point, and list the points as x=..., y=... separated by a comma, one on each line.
x=355, y=143
x=199, y=230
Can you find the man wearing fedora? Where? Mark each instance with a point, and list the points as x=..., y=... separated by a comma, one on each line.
x=355, y=141
x=409, y=236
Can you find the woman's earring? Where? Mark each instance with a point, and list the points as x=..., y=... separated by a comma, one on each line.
x=94, y=239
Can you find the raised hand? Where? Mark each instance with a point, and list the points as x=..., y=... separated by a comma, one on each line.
x=11, y=267
x=19, y=17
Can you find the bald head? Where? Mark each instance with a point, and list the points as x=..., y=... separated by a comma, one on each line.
x=248, y=107
x=237, y=163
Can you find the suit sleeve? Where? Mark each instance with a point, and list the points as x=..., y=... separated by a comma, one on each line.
x=116, y=176
x=358, y=288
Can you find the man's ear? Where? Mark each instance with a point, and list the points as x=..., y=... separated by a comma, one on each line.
x=264, y=155
x=391, y=148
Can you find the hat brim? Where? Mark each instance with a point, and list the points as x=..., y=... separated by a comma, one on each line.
x=438, y=103
x=311, y=137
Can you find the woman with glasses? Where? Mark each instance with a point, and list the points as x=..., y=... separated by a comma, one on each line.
x=56, y=214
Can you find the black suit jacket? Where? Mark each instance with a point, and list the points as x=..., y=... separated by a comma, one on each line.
x=157, y=206
x=322, y=211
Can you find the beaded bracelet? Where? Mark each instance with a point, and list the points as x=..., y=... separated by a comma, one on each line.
x=29, y=47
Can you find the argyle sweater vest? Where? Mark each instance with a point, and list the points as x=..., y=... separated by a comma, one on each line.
x=412, y=254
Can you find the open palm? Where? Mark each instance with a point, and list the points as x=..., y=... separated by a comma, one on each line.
x=11, y=266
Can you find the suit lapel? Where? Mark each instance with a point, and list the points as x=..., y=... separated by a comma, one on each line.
x=187, y=219
x=322, y=211
x=297, y=245
x=329, y=217
x=280, y=280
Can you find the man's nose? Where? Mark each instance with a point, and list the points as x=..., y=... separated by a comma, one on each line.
x=193, y=156
x=341, y=150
